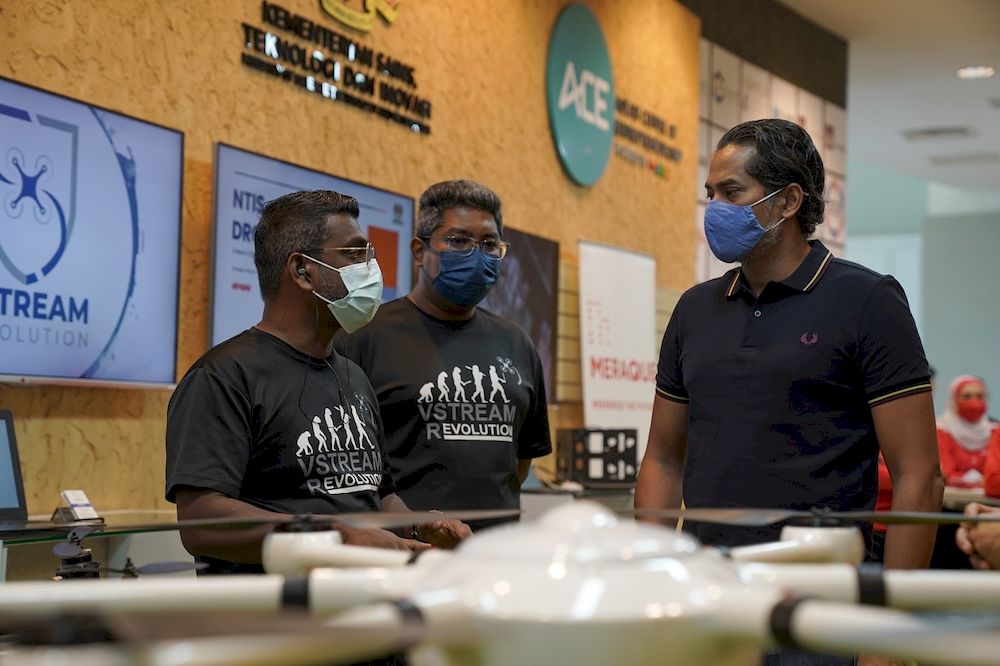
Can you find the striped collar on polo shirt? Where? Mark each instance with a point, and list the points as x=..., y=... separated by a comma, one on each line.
x=804, y=278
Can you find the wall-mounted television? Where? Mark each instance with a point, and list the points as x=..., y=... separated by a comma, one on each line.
x=527, y=294
x=244, y=182
x=90, y=219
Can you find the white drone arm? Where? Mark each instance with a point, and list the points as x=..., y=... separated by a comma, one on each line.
x=291, y=553
x=250, y=593
x=847, y=629
x=825, y=626
x=323, y=592
x=916, y=590
x=807, y=544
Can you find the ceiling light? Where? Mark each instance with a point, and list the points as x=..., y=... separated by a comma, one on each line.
x=944, y=132
x=965, y=159
x=975, y=72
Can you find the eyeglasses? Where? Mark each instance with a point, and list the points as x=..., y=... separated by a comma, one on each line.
x=356, y=254
x=464, y=245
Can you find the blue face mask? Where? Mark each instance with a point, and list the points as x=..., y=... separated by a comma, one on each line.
x=732, y=231
x=465, y=281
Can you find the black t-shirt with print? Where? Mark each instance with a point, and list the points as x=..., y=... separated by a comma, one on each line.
x=462, y=402
x=259, y=421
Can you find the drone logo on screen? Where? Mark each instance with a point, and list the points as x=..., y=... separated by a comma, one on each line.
x=361, y=19
x=28, y=200
x=65, y=286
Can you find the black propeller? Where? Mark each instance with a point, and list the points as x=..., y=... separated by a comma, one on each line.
x=72, y=546
x=372, y=519
x=818, y=517
x=153, y=568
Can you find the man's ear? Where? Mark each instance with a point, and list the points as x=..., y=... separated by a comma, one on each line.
x=296, y=266
x=417, y=250
x=793, y=197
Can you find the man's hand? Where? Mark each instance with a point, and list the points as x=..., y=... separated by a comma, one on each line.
x=870, y=660
x=378, y=538
x=444, y=533
x=440, y=533
x=980, y=541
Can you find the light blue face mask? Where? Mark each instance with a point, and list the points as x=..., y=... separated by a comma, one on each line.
x=732, y=231
x=364, y=293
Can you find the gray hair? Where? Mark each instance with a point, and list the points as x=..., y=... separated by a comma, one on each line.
x=783, y=154
x=440, y=197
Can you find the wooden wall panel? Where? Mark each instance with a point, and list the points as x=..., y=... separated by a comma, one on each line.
x=480, y=62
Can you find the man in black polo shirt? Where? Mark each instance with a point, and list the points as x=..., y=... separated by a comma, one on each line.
x=779, y=382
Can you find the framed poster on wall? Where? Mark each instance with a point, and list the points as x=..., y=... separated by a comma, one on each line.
x=244, y=182
x=617, y=338
x=527, y=294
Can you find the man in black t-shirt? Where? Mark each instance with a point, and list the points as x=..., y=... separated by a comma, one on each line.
x=273, y=421
x=461, y=391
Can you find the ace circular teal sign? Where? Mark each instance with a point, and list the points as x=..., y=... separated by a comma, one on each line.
x=580, y=94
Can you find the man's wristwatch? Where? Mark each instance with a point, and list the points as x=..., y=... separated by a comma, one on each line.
x=415, y=533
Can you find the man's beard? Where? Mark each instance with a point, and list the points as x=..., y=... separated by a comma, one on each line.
x=770, y=239
x=332, y=288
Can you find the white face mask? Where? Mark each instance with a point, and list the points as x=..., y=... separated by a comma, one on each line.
x=364, y=293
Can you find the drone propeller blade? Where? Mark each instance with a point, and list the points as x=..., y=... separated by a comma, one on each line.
x=913, y=517
x=734, y=516
x=371, y=519
x=169, y=567
x=763, y=517
x=388, y=520
x=65, y=550
x=71, y=547
x=79, y=533
x=154, y=568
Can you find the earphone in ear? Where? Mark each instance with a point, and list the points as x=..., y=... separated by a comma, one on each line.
x=302, y=271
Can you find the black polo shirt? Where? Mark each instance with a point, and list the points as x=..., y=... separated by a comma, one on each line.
x=780, y=388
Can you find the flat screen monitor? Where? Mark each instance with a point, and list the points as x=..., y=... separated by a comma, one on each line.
x=90, y=218
x=12, y=505
x=527, y=294
x=244, y=182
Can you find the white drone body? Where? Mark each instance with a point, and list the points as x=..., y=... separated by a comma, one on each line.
x=581, y=586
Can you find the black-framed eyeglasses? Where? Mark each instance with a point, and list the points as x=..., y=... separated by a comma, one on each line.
x=464, y=245
x=356, y=254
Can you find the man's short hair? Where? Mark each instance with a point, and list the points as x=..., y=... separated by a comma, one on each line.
x=440, y=197
x=783, y=154
x=295, y=222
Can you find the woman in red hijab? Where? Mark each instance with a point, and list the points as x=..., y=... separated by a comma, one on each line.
x=965, y=434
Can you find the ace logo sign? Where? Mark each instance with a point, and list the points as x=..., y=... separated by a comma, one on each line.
x=580, y=94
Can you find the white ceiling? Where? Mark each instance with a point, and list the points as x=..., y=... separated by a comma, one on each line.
x=902, y=57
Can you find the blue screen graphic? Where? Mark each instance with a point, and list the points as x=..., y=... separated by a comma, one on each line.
x=90, y=205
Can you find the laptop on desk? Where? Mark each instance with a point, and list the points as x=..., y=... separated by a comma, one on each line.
x=13, y=508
